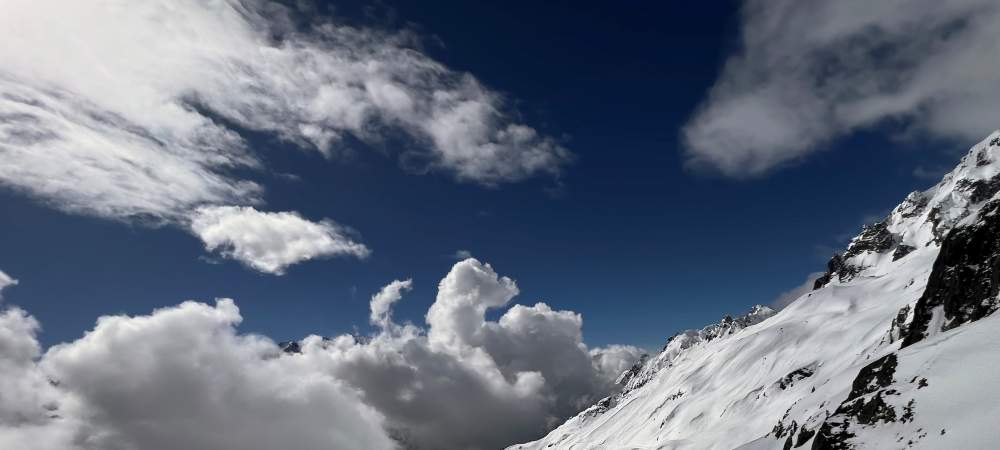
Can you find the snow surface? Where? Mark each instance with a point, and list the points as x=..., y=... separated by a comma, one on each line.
x=740, y=388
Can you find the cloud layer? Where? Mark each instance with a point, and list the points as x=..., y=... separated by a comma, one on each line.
x=134, y=109
x=183, y=377
x=179, y=378
x=467, y=382
x=810, y=71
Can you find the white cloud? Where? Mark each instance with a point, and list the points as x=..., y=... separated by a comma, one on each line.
x=464, y=381
x=462, y=254
x=5, y=282
x=133, y=110
x=615, y=359
x=270, y=242
x=810, y=71
x=30, y=402
x=381, y=303
x=179, y=378
x=183, y=377
x=125, y=112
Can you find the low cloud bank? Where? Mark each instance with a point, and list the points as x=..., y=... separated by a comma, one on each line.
x=184, y=377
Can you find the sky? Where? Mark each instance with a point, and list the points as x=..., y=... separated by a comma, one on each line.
x=471, y=217
x=629, y=232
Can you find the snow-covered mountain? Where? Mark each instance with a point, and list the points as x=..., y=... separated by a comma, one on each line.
x=896, y=347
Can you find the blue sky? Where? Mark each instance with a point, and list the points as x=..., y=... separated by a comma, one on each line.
x=629, y=233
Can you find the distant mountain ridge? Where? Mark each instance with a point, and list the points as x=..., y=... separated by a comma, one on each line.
x=896, y=347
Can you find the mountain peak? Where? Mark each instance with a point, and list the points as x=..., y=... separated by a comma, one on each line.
x=892, y=349
x=923, y=218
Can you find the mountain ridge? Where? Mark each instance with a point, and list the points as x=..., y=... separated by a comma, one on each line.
x=875, y=356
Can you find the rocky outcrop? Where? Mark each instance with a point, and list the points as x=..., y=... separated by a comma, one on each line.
x=865, y=405
x=965, y=280
x=901, y=251
x=290, y=347
x=874, y=238
x=796, y=375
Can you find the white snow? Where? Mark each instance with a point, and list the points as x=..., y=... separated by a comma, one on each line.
x=725, y=393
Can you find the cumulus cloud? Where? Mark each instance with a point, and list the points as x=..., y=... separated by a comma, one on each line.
x=613, y=360
x=270, y=242
x=467, y=382
x=810, y=71
x=381, y=303
x=29, y=412
x=183, y=377
x=179, y=378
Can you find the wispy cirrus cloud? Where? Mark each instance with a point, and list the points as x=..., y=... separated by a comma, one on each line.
x=133, y=110
x=810, y=71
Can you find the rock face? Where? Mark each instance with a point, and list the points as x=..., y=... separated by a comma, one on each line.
x=965, y=280
x=896, y=347
x=865, y=405
x=874, y=238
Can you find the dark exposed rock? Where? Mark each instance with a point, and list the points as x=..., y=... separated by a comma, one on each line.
x=864, y=405
x=899, y=327
x=979, y=190
x=821, y=281
x=913, y=205
x=827, y=440
x=804, y=435
x=934, y=217
x=833, y=266
x=875, y=237
x=729, y=324
x=602, y=406
x=965, y=278
x=670, y=339
x=290, y=347
x=982, y=158
x=788, y=380
x=631, y=372
x=836, y=266
x=908, y=412
x=873, y=377
x=901, y=251
x=780, y=430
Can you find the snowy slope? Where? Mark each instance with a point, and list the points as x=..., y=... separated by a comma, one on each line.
x=896, y=348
